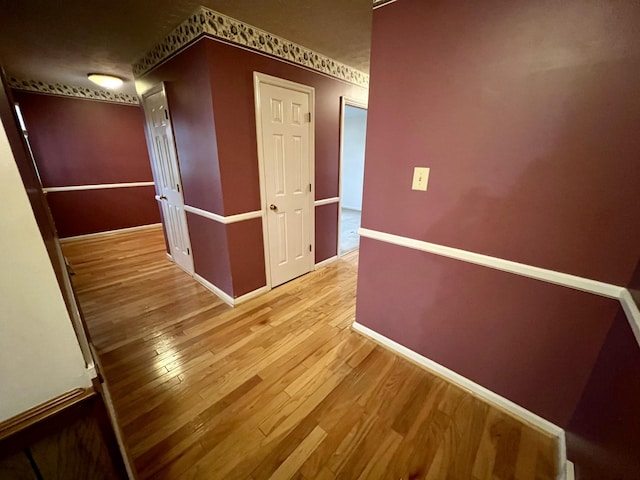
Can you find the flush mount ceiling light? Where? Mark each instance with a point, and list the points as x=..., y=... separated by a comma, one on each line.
x=106, y=81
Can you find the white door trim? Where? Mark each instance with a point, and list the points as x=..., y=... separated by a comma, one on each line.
x=151, y=91
x=259, y=79
x=344, y=101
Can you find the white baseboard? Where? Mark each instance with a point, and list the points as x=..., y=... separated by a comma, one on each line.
x=222, y=295
x=250, y=295
x=225, y=297
x=475, y=389
x=169, y=257
x=109, y=232
x=326, y=262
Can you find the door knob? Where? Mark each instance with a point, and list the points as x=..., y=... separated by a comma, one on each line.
x=162, y=197
x=273, y=207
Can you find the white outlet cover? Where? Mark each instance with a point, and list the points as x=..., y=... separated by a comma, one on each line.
x=420, y=178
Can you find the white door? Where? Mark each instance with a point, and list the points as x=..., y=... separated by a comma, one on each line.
x=286, y=147
x=167, y=177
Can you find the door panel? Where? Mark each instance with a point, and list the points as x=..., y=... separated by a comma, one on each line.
x=286, y=136
x=167, y=174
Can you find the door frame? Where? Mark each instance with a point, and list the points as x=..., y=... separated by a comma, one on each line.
x=258, y=80
x=352, y=102
x=160, y=87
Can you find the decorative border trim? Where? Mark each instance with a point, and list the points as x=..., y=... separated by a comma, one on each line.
x=224, y=296
x=326, y=262
x=558, y=278
x=62, y=90
x=220, y=218
x=100, y=186
x=206, y=22
x=110, y=232
x=472, y=387
x=326, y=201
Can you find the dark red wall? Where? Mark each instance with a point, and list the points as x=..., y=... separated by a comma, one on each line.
x=210, y=251
x=246, y=251
x=604, y=434
x=527, y=114
x=91, y=211
x=85, y=142
x=210, y=93
x=233, y=102
x=529, y=341
x=326, y=231
x=187, y=79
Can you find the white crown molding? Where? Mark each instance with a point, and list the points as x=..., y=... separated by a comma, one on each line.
x=206, y=22
x=61, y=90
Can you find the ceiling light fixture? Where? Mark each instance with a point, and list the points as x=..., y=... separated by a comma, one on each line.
x=106, y=81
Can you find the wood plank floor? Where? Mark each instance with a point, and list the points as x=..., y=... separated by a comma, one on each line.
x=278, y=387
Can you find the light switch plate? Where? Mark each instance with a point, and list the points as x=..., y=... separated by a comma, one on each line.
x=420, y=178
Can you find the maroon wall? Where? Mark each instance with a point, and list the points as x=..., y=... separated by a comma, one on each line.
x=210, y=93
x=210, y=251
x=488, y=325
x=91, y=211
x=527, y=114
x=83, y=142
x=326, y=231
x=603, y=435
x=187, y=80
x=233, y=102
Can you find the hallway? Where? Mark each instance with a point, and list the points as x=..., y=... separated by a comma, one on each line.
x=278, y=387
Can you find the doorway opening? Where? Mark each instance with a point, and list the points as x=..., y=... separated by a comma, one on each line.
x=352, y=144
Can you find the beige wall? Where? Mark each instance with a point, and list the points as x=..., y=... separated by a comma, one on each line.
x=39, y=354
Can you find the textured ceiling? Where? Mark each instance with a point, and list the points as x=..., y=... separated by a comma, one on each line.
x=62, y=41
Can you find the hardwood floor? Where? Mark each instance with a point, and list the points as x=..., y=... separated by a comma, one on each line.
x=278, y=387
